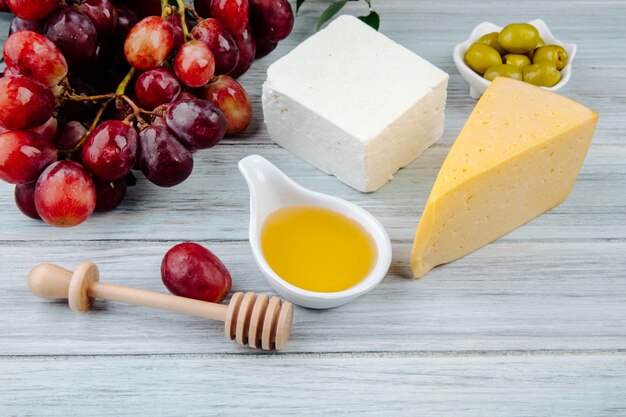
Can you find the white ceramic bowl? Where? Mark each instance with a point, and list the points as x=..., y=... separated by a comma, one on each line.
x=478, y=84
x=271, y=189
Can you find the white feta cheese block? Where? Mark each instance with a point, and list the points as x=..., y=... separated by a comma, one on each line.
x=354, y=103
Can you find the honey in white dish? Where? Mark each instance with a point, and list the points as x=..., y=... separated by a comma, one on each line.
x=317, y=249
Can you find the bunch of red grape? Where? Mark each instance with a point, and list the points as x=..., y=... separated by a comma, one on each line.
x=96, y=88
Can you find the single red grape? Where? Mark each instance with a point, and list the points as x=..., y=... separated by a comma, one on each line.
x=215, y=35
x=126, y=19
x=234, y=14
x=109, y=194
x=163, y=159
x=31, y=9
x=149, y=43
x=156, y=87
x=194, y=64
x=23, y=155
x=227, y=94
x=25, y=199
x=102, y=13
x=18, y=24
x=264, y=47
x=192, y=271
x=24, y=103
x=47, y=130
x=247, y=50
x=110, y=150
x=74, y=34
x=69, y=135
x=29, y=53
x=271, y=19
x=65, y=195
x=199, y=124
x=177, y=30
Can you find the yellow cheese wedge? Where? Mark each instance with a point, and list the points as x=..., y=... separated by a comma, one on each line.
x=517, y=156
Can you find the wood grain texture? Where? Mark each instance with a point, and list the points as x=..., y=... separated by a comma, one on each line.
x=486, y=386
x=533, y=324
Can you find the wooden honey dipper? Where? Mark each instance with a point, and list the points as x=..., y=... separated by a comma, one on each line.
x=255, y=320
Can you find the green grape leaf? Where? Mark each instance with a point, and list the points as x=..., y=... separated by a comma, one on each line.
x=298, y=4
x=372, y=19
x=332, y=10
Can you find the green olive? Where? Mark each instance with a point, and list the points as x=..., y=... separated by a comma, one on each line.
x=517, y=60
x=543, y=74
x=491, y=39
x=539, y=45
x=519, y=38
x=503, y=70
x=479, y=57
x=553, y=53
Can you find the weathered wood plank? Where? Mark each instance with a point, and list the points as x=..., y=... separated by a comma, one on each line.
x=559, y=386
x=508, y=296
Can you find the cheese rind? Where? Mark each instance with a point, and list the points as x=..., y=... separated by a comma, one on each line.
x=355, y=104
x=517, y=156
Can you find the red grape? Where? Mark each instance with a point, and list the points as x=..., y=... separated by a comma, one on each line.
x=47, y=130
x=190, y=270
x=149, y=43
x=18, y=24
x=25, y=199
x=227, y=94
x=163, y=159
x=177, y=30
x=32, y=10
x=24, y=103
x=215, y=35
x=69, y=135
x=109, y=194
x=126, y=19
x=102, y=13
x=194, y=64
x=234, y=14
x=23, y=155
x=156, y=87
x=29, y=53
x=264, y=47
x=198, y=124
x=247, y=50
x=271, y=19
x=65, y=194
x=110, y=150
x=74, y=34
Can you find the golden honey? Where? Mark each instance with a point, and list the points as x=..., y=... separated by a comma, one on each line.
x=317, y=249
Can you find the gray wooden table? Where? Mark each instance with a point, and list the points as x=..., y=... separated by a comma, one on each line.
x=533, y=324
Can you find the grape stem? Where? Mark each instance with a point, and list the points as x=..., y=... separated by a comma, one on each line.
x=181, y=12
x=121, y=89
x=166, y=9
x=193, y=13
x=136, y=112
x=76, y=97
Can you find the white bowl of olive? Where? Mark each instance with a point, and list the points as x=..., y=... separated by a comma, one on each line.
x=523, y=51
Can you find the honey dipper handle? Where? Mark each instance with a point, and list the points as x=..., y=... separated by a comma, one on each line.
x=82, y=286
x=158, y=300
x=50, y=281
